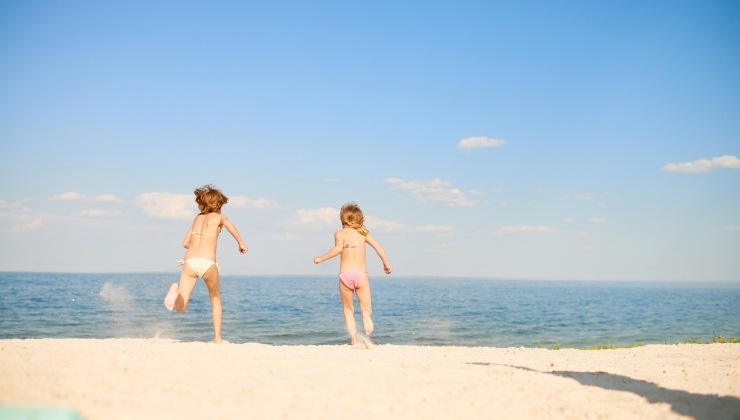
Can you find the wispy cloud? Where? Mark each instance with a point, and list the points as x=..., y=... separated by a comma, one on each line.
x=598, y=220
x=6, y=207
x=11, y=223
x=254, y=203
x=479, y=142
x=388, y=226
x=733, y=228
x=382, y=225
x=182, y=206
x=328, y=218
x=167, y=205
x=75, y=196
x=704, y=165
x=434, y=191
x=15, y=217
x=577, y=197
x=97, y=213
x=438, y=230
x=314, y=219
x=524, y=229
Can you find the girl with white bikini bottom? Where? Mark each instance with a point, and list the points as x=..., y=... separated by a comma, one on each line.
x=200, y=257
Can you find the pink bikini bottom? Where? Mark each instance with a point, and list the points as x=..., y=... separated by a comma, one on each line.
x=352, y=278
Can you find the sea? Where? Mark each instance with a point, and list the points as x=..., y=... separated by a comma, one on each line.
x=305, y=310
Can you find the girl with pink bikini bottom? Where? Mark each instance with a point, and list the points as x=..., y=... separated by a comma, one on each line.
x=349, y=243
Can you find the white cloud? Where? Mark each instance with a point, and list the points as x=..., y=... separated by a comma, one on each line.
x=578, y=197
x=254, y=203
x=96, y=213
x=15, y=217
x=328, y=218
x=15, y=222
x=283, y=237
x=166, y=205
x=480, y=142
x=32, y=224
x=315, y=219
x=433, y=191
x=510, y=230
x=75, y=196
x=388, y=226
x=704, y=165
x=568, y=220
x=477, y=192
x=6, y=207
x=598, y=220
x=733, y=228
x=68, y=196
x=109, y=198
x=373, y=224
x=438, y=230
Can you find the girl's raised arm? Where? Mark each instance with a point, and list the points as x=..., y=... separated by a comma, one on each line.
x=336, y=250
x=232, y=230
x=381, y=253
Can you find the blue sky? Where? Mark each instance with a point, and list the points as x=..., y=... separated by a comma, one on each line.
x=517, y=140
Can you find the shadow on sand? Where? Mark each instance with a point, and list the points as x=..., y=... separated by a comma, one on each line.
x=698, y=406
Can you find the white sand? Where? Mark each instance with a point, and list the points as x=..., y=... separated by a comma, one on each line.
x=154, y=378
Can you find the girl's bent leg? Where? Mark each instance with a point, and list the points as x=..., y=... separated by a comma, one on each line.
x=366, y=305
x=349, y=312
x=171, y=297
x=212, y=282
x=188, y=279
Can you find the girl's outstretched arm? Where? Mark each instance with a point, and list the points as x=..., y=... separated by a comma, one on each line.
x=232, y=230
x=381, y=253
x=336, y=250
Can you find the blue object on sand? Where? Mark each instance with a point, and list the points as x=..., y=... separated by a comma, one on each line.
x=38, y=413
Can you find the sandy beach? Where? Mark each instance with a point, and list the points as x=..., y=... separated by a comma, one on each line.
x=157, y=378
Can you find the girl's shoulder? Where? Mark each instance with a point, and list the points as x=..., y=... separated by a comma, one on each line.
x=214, y=217
x=352, y=234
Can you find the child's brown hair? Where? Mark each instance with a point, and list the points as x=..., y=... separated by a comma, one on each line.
x=209, y=199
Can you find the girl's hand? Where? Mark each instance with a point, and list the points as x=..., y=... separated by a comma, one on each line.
x=243, y=248
x=316, y=260
x=387, y=268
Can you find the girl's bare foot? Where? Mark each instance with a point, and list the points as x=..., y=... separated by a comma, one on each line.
x=169, y=300
x=366, y=341
x=368, y=324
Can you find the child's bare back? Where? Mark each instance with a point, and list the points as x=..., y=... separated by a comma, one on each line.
x=349, y=243
x=200, y=258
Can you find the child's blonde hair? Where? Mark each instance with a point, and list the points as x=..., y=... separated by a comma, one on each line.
x=209, y=199
x=351, y=216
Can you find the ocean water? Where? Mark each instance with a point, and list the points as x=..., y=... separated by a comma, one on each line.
x=292, y=310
